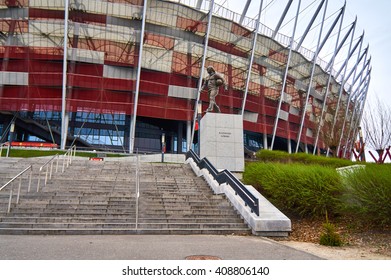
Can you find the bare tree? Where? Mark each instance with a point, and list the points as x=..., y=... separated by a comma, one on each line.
x=330, y=131
x=330, y=135
x=376, y=123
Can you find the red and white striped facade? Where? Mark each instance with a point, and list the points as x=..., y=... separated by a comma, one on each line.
x=288, y=96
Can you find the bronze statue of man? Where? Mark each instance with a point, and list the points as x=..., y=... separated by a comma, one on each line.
x=213, y=82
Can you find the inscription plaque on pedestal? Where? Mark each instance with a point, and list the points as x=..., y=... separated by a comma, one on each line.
x=222, y=140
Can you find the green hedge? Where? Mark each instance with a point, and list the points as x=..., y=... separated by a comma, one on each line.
x=314, y=190
x=301, y=189
x=367, y=194
x=284, y=157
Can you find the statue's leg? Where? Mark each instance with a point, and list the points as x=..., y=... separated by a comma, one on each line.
x=217, y=108
x=212, y=101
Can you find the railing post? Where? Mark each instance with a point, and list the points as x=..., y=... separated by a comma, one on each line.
x=57, y=163
x=20, y=186
x=10, y=200
x=63, y=164
x=46, y=174
x=51, y=169
x=30, y=177
x=39, y=180
x=68, y=160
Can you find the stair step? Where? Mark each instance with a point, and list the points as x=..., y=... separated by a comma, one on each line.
x=43, y=219
x=129, y=225
x=119, y=231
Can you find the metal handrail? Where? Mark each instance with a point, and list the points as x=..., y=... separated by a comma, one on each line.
x=19, y=188
x=68, y=156
x=46, y=164
x=67, y=160
x=226, y=176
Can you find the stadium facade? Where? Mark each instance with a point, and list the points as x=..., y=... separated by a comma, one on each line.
x=118, y=74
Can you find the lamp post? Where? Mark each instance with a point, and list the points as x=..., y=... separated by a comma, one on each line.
x=163, y=145
x=12, y=129
x=199, y=115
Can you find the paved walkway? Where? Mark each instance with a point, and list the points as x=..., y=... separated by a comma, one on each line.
x=144, y=247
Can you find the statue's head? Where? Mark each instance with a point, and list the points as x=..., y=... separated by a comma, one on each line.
x=210, y=69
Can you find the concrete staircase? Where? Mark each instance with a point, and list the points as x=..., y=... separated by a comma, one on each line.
x=99, y=197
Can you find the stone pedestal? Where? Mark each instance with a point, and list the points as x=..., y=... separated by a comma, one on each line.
x=222, y=140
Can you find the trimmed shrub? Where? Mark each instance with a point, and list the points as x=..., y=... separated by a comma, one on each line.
x=367, y=194
x=304, y=190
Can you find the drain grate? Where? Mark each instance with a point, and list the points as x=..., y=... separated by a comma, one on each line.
x=202, y=257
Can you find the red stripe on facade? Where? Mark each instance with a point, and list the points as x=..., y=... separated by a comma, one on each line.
x=84, y=81
x=45, y=79
x=15, y=65
x=85, y=17
x=45, y=66
x=11, y=52
x=89, y=69
x=46, y=53
x=153, y=88
x=38, y=13
x=118, y=84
